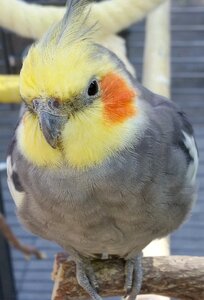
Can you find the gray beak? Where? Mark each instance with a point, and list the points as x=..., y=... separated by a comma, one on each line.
x=52, y=126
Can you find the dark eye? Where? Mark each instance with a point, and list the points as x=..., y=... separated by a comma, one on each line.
x=35, y=104
x=93, y=88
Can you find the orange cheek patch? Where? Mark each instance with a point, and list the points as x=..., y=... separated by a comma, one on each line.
x=118, y=98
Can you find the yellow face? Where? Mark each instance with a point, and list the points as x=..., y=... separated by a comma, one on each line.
x=80, y=109
x=60, y=73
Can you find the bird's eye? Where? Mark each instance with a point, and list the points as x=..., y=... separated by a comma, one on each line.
x=93, y=88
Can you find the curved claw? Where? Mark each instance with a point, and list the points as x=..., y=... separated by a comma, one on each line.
x=133, y=281
x=92, y=277
x=86, y=279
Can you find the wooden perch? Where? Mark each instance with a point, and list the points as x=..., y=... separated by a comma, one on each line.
x=181, y=277
x=25, y=249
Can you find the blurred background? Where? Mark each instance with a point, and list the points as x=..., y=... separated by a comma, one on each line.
x=31, y=279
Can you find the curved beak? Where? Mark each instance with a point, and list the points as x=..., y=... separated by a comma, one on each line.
x=52, y=126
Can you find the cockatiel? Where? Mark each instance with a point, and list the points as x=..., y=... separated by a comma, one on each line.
x=98, y=163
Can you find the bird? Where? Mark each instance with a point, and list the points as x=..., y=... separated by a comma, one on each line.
x=98, y=163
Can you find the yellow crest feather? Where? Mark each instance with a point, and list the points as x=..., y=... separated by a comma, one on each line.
x=74, y=27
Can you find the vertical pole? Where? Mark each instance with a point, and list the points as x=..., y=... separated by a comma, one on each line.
x=156, y=70
x=156, y=76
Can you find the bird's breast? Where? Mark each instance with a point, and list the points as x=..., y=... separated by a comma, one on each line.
x=79, y=214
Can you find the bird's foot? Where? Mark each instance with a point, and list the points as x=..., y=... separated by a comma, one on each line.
x=87, y=279
x=133, y=280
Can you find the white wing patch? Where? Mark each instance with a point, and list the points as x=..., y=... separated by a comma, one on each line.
x=193, y=166
x=17, y=196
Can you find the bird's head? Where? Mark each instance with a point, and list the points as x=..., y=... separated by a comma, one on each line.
x=81, y=102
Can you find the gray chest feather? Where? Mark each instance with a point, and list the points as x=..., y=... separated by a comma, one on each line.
x=118, y=209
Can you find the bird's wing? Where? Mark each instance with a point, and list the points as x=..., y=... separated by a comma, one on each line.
x=176, y=128
x=189, y=147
